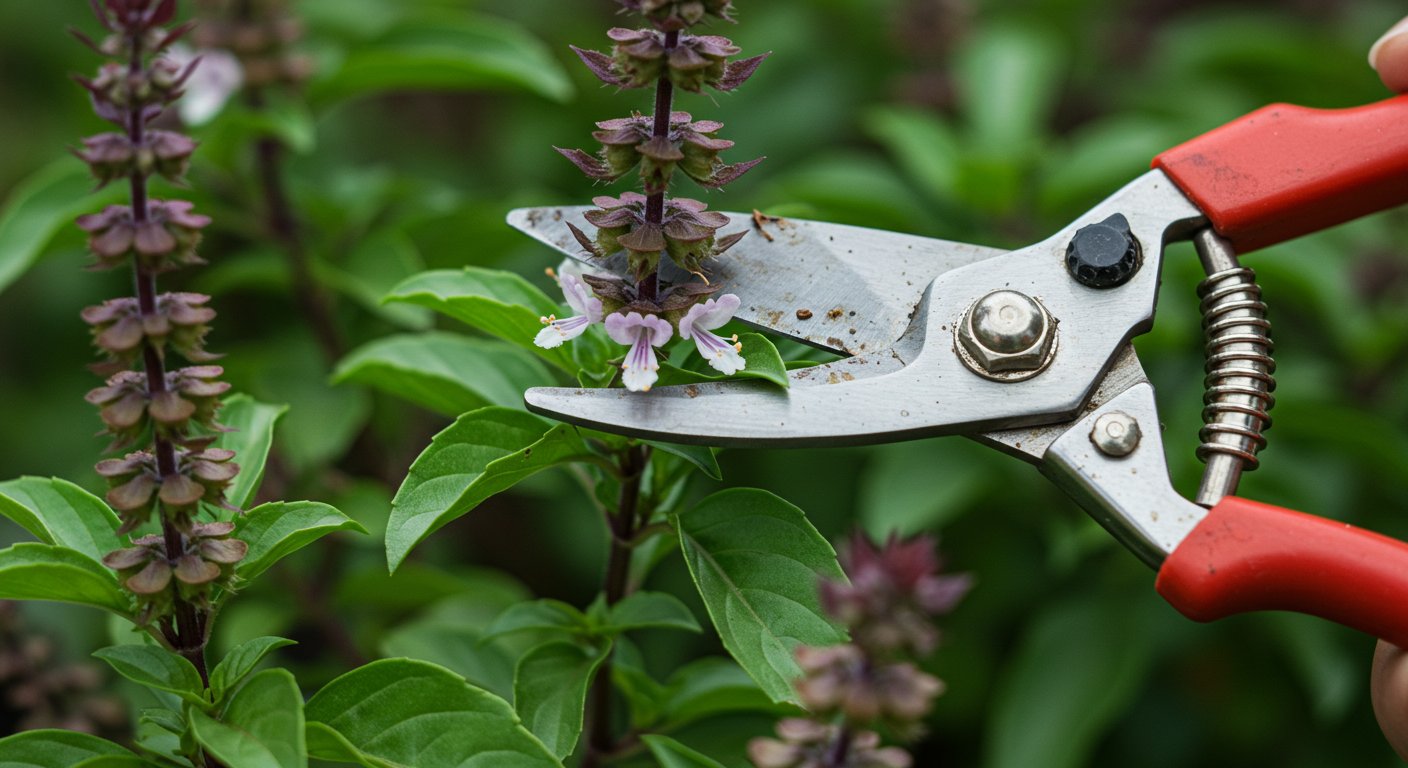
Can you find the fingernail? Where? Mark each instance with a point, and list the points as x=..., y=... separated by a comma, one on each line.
x=1394, y=31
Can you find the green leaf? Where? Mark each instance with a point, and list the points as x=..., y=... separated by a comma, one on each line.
x=376, y=264
x=115, y=761
x=282, y=117
x=54, y=749
x=655, y=610
x=922, y=145
x=467, y=652
x=539, y=616
x=240, y=662
x=261, y=728
x=1009, y=80
x=253, y=424
x=499, y=303
x=1092, y=656
x=276, y=530
x=39, y=207
x=481, y=454
x=759, y=353
x=445, y=372
x=447, y=51
x=703, y=458
x=47, y=572
x=59, y=512
x=550, y=691
x=158, y=668
x=709, y=687
x=757, y=561
x=672, y=754
x=399, y=712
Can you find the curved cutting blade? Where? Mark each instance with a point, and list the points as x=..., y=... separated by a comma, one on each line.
x=847, y=290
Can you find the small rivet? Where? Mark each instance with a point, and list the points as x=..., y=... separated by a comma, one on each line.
x=1116, y=434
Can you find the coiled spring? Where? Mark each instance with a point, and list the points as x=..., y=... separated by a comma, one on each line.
x=1237, y=396
x=1240, y=369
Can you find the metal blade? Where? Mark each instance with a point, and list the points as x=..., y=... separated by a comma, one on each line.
x=918, y=386
x=844, y=289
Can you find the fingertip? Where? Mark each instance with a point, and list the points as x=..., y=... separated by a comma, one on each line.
x=1388, y=689
x=1389, y=56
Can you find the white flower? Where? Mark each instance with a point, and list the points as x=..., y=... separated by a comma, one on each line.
x=643, y=333
x=588, y=308
x=720, y=353
x=216, y=78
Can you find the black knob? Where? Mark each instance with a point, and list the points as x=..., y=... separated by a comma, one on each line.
x=1103, y=255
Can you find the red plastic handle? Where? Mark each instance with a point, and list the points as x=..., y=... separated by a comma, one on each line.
x=1285, y=171
x=1247, y=556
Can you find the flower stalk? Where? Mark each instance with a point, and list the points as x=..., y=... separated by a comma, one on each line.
x=858, y=690
x=172, y=572
x=644, y=309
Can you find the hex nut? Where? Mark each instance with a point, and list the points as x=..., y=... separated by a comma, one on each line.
x=1007, y=336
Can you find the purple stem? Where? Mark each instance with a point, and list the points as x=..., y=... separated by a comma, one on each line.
x=190, y=637
x=655, y=203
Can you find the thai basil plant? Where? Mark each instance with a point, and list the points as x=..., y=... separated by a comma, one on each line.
x=498, y=677
x=581, y=683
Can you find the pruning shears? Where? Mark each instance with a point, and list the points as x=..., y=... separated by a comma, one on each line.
x=1029, y=352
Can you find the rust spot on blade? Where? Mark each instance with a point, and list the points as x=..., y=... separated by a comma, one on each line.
x=691, y=391
x=804, y=314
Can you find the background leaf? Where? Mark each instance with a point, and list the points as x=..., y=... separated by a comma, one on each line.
x=673, y=754
x=240, y=662
x=54, y=749
x=481, y=454
x=59, y=512
x=405, y=712
x=757, y=561
x=47, y=572
x=550, y=691
x=253, y=424
x=261, y=728
x=444, y=51
x=158, y=668
x=38, y=207
x=447, y=373
x=278, y=529
x=658, y=610
x=499, y=303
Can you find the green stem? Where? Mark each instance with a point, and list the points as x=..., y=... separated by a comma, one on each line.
x=624, y=524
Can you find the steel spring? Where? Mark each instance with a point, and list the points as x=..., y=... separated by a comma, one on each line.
x=1240, y=369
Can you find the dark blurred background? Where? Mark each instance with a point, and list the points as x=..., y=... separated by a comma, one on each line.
x=424, y=121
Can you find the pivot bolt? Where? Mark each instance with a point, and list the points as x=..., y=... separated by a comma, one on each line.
x=1116, y=434
x=1007, y=336
x=1104, y=255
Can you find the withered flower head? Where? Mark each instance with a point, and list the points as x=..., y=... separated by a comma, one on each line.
x=843, y=680
x=180, y=320
x=688, y=231
x=135, y=485
x=807, y=744
x=893, y=595
x=190, y=400
x=166, y=240
x=692, y=146
x=640, y=58
x=207, y=560
x=672, y=15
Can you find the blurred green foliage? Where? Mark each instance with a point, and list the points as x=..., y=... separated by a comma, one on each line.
x=964, y=119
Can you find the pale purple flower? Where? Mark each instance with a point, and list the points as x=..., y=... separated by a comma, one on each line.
x=643, y=334
x=720, y=353
x=216, y=79
x=579, y=297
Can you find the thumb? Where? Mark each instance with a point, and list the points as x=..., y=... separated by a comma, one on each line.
x=1390, y=57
